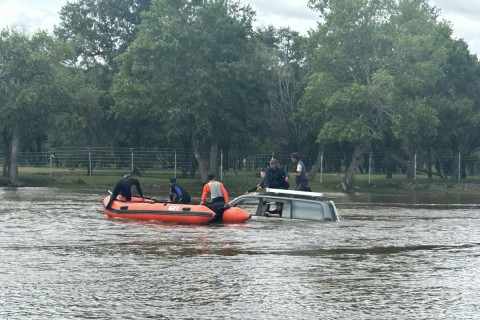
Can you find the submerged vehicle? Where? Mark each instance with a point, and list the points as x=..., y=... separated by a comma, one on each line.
x=288, y=204
x=147, y=209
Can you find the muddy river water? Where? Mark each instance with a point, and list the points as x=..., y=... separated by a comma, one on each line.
x=388, y=257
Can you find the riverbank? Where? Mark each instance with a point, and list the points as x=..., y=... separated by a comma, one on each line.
x=156, y=182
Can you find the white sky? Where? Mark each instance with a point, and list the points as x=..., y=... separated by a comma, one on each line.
x=464, y=15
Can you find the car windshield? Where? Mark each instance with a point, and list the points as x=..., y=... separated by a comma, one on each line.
x=248, y=204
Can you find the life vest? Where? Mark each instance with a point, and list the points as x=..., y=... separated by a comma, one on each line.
x=215, y=189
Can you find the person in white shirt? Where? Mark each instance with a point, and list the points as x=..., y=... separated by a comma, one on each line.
x=300, y=173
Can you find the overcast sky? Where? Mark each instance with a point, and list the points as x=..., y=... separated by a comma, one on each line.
x=464, y=15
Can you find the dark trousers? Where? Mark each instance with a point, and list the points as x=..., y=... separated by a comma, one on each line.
x=127, y=193
x=217, y=205
x=302, y=186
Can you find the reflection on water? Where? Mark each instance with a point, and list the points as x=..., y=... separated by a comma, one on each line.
x=62, y=258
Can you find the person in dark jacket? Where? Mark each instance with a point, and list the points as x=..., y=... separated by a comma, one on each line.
x=300, y=173
x=178, y=194
x=261, y=184
x=124, y=187
x=276, y=177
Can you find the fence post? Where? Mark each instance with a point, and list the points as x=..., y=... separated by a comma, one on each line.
x=321, y=167
x=221, y=164
x=175, y=165
x=131, y=151
x=415, y=168
x=459, y=166
x=369, y=168
x=51, y=161
x=89, y=163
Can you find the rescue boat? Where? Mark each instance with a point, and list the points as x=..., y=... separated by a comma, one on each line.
x=146, y=209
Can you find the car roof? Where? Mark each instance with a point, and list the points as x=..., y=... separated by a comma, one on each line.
x=256, y=195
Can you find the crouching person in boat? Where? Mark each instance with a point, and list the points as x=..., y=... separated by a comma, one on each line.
x=124, y=187
x=178, y=194
x=218, y=195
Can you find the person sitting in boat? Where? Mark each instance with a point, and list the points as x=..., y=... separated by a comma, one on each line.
x=124, y=187
x=261, y=185
x=178, y=194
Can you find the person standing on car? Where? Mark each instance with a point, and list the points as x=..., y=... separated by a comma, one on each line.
x=300, y=173
x=276, y=177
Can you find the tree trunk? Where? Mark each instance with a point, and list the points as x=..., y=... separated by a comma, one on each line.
x=389, y=166
x=14, y=156
x=471, y=168
x=38, y=159
x=6, y=153
x=411, y=154
x=455, y=171
x=349, y=177
x=202, y=163
x=214, y=157
x=429, y=163
x=316, y=166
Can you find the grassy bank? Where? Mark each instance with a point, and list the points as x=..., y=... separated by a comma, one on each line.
x=155, y=183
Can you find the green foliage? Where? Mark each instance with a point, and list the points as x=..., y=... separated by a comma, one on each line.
x=192, y=67
x=28, y=83
x=375, y=73
x=417, y=119
x=100, y=29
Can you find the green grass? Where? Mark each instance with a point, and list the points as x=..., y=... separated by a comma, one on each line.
x=155, y=183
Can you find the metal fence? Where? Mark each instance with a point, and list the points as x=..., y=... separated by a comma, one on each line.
x=181, y=162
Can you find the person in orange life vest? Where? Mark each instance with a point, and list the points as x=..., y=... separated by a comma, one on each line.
x=218, y=194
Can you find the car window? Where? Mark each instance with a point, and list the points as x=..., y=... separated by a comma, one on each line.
x=248, y=204
x=270, y=204
x=307, y=210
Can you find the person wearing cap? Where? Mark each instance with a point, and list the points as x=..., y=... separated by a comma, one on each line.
x=300, y=173
x=261, y=184
x=178, y=194
x=276, y=177
x=124, y=187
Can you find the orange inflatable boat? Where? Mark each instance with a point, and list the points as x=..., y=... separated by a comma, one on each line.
x=146, y=209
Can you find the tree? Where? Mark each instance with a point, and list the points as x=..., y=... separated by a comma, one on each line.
x=81, y=120
x=351, y=48
x=27, y=85
x=419, y=55
x=193, y=68
x=100, y=29
x=458, y=107
x=285, y=86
